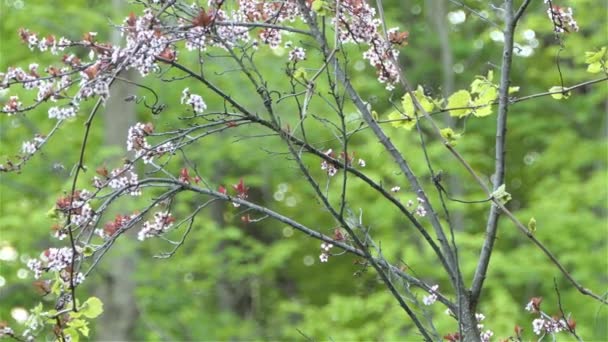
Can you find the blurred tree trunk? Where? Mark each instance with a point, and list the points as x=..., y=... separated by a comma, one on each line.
x=117, y=286
x=437, y=14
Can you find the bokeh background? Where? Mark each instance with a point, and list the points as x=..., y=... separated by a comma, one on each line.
x=263, y=281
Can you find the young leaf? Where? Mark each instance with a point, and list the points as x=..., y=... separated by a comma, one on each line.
x=532, y=225
x=501, y=195
x=450, y=136
x=74, y=337
x=426, y=103
x=490, y=76
x=594, y=68
x=486, y=98
x=478, y=85
x=399, y=120
x=92, y=308
x=407, y=104
x=319, y=7
x=513, y=90
x=374, y=115
x=561, y=94
x=300, y=74
x=459, y=99
x=595, y=56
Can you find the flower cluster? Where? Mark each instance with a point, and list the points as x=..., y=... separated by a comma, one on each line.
x=431, y=298
x=241, y=191
x=121, y=178
x=44, y=43
x=13, y=105
x=62, y=113
x=332, y=168
x=325, y=247
x=137, y=142
x=78, y=207
x=196, y=101
x=382, y=58
x=420, y=210
x=260, y=11
x=297, y=54
x=53, y=259
x=161, y=223
x=110, y=228
x=60, y=232
x=563, y=19
x=548, y=325
x=484, y=335
x=357, y=23
x=6, y=331
x=534, y=304
x=31, y=146
x=329, y=167
x=145, y=42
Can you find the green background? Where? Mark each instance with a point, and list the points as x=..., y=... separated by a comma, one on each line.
x=263, y=281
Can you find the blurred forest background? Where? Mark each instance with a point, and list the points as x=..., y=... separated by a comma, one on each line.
x=263, y=281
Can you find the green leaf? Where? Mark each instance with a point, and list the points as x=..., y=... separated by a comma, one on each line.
x=487, y=97
x=594, y=68
x=559, y=93
x=595, y=56
x=401, y=121
x=501, y=195
x=92, y=308
x=407, y=104
x=300, y=74
x=88, y=251
x=513, y=90
x=319, y=7
x=426, y=103
x=479, y=85
x=459, y=99
x=52, y=213
x=84, y=331
x=532, y=225
x=450, y=135
x=74, y=337
x=482, y=111
x=490, y=76
x=56, y=285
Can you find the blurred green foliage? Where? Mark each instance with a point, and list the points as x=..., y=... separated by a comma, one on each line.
x=263, y=281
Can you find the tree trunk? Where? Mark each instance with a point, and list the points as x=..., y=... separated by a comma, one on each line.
x=117, y=288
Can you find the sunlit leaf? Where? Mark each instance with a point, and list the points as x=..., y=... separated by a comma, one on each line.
x=595, y=56
x=400, y=120
x=486, y=98
x=92, y=308
x=559, y=93
x=532, y=225
x=594, y=68
x=407, y=104
x=490, y=76
x=459, y=99
x=72, y=333
x=300, y=74
x=478, y=85
x=426, y=103
x=320, y=7
x=501, y=195
x=450, y=135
